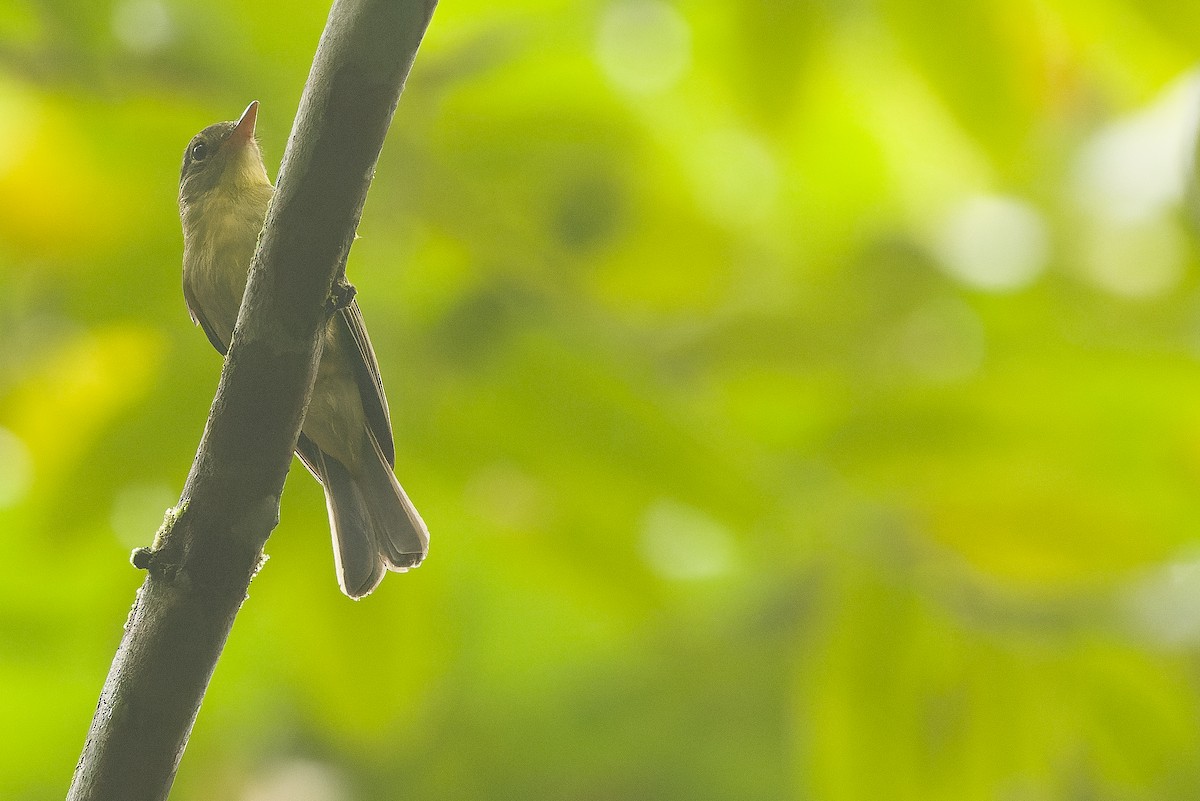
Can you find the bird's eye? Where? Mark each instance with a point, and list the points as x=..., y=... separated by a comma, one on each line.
x=199, y=151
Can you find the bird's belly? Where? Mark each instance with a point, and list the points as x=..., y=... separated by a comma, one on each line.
x=222, y=292
x=335, y=420
x=217, y=259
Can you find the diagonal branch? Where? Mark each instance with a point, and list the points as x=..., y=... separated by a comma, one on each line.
x=202, y=562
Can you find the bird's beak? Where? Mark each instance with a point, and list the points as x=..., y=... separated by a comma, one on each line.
x=244, y=130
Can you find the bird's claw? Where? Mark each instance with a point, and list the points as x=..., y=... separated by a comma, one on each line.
x=341, y=295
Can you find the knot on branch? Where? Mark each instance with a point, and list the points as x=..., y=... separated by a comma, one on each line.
x=210, y=562
x=156, y=563
x=154, y=559
x=141, y=558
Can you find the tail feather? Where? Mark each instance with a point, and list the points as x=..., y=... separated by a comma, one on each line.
x=355, y=552
x=375, y=526
x=402, y=536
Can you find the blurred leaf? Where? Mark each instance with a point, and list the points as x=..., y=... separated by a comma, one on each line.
x=801, y=396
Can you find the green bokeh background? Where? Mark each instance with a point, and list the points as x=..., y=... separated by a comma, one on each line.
x=804, y=398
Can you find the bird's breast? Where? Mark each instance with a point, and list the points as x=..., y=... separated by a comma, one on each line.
x=220, y=235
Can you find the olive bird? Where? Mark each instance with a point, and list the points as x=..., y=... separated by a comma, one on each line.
x=346, y=441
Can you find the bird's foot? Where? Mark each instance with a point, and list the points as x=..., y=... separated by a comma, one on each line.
x=341, y=295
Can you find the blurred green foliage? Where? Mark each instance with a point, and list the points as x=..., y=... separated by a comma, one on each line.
x=802, y=397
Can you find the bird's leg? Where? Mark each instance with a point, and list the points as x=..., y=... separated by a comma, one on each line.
x=341, y=295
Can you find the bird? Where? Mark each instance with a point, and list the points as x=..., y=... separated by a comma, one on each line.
x=346, y=439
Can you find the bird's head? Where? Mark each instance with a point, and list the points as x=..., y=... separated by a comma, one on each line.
x=224, y=156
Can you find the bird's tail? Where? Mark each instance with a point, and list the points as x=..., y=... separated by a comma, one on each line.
x=375, y=526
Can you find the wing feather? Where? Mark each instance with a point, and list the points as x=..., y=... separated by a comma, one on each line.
x=199, y=319
x=370, y=384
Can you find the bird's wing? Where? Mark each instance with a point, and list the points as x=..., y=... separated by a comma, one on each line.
x=198, y=318
x=366, y=369
x=312, y=457
x=370, y=385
